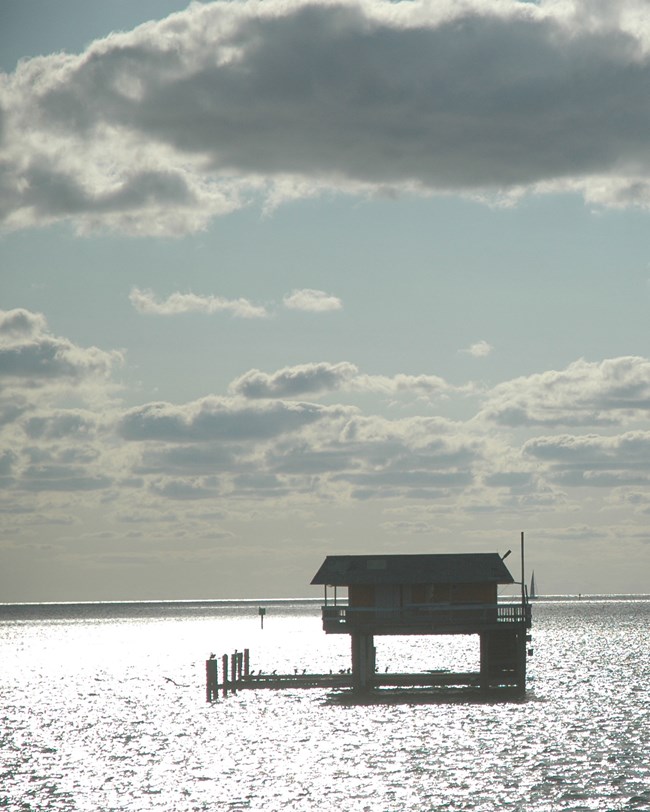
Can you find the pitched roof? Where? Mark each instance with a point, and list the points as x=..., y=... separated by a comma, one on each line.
x=464, y=568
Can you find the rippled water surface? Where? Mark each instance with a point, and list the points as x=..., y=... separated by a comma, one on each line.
x=103, y=708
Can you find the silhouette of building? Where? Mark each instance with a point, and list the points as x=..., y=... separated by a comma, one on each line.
x=426, y=595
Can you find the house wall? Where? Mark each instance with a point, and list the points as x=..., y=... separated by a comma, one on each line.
x=361, y=595
x=473, y=593
x=392, y=596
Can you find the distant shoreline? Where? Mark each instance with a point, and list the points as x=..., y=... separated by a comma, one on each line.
x=253, y=602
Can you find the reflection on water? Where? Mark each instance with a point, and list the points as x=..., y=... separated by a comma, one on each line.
x=103, y=709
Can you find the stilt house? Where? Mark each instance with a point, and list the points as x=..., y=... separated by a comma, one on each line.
x=426, y=594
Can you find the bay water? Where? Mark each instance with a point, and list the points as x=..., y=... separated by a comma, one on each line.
x=103, y=708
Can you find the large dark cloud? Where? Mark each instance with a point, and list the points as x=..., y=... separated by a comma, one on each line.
x=161, y=128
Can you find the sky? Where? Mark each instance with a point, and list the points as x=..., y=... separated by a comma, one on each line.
x=293, y=278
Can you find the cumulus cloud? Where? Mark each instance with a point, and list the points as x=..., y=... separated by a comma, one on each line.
x=296, y=381
x=146, y=302
x=374, y=457
x=584, y=394
x=277, y=448
x=159, y=129
x=424, y=385
x=480, y=349
x=595, y=460
x=315, y=301
x=183, y=489
x=320, y=378
x=30, y=356
x=20, y=325
x=54, y=448
x=59, y=424
x=225, y=419
x=269, y=439
x=62, y=478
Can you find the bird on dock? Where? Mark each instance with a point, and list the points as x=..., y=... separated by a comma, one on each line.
x=295, y=670
x=304, y=670
x=275, y=671
x=212, y=656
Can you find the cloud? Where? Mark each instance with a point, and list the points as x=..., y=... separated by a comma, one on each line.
x=62, y=478
x=61, y=424
x=20, y=325
x=31, y=356
x=224, y=419
x=296, y=381
x=157, y=130
x=480, y=349
x=314, y=301
x=319, y=378
x=584, y=394
x=270, y=440
x=145, y=301
x=423, y=385
x=280, y=449
x=595, y=460
x=181, y=489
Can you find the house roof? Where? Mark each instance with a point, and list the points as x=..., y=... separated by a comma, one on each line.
x=463, y=568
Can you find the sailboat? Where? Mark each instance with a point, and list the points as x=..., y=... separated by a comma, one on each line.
x=532, y=594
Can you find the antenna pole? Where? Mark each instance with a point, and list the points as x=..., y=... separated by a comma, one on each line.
x=523, y=583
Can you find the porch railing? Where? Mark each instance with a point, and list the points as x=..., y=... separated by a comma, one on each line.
x=425, y=615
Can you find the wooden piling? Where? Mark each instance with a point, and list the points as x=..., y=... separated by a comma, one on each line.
x=224, y=671
x=211, y=680
x=233, y=672
x=247, y=663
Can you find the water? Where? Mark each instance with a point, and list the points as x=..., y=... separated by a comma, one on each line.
x=103, y=708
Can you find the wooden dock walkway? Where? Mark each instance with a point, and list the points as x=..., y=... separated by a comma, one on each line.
x=231, y=674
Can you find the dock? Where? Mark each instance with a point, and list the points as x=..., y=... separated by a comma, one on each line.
x=232, y=673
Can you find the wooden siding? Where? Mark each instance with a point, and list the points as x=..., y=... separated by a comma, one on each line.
x=394, y=595
x=361, y=595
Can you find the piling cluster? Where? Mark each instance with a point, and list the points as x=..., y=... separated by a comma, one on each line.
x=235, y=669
